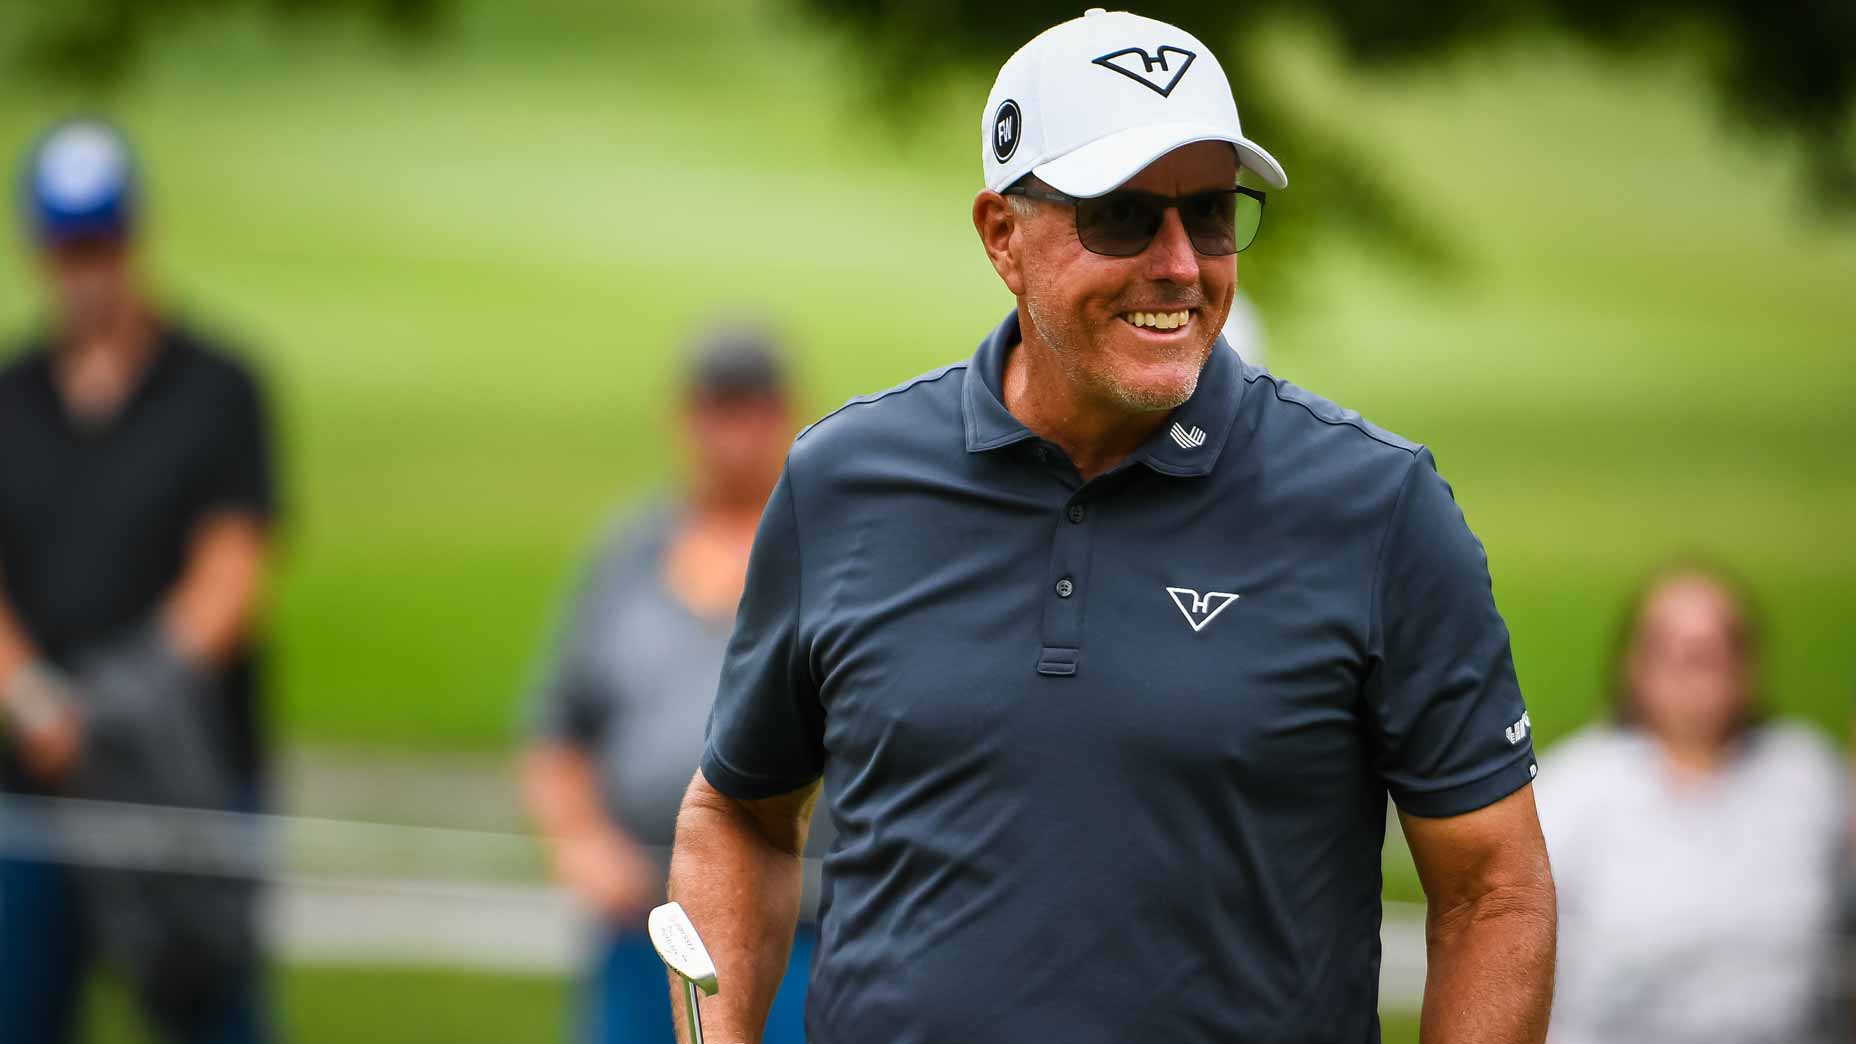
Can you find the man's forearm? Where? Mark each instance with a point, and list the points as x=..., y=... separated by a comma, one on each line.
x=210, y=610
x=740, y=882
x=16, y=649
x=1490, y=978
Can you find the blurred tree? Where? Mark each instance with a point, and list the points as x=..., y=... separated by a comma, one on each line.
x=1789, y=65
x=96, y=43
x=1786, y=67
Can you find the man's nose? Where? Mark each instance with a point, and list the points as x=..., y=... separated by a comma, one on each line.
x=1170, y=257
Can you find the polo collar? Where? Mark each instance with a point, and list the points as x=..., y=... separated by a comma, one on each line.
x=1189, y=443
x=989, y=424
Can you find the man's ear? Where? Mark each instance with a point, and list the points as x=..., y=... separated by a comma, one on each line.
x=999, y=226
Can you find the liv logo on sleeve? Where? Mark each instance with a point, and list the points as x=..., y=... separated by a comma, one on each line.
x=1518, y=731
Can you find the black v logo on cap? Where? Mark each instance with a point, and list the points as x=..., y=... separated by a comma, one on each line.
x=1159, y=72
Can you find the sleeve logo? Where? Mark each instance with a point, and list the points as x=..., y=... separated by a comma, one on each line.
x=1518, y=731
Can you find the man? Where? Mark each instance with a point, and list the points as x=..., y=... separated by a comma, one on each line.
x=618, y=718
x=1108, y=647
x=136, y=501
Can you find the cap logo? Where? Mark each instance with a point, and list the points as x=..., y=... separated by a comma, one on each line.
x=1008, y=125
x=1137, y=65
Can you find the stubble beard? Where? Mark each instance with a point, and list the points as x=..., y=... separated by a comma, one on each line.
x=1070, y=343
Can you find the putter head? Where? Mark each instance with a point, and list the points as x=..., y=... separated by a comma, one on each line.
x=680, y=948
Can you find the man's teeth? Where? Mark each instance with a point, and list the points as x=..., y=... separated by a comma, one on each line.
x=1158, y=320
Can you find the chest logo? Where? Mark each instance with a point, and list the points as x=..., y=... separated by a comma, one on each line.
x=1200, y=609
x=1187, y=438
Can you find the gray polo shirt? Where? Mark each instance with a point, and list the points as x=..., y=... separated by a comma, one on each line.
x=1109, y=760
x=631, y=678
x=630, y=681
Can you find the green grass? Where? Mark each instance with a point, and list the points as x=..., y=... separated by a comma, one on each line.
x=1398, y=1028
x=393, y=1005
x=387, y=1005
x=466, y=270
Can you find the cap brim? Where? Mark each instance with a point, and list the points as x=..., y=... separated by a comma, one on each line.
x=1104, y=164
x=54, y=230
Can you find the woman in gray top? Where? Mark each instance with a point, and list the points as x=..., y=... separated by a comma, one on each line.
x=1695, y=844
x=619, y=717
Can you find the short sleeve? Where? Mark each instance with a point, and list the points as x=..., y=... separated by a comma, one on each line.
x=239, y=476
x=1451, y=728
x=766, y=730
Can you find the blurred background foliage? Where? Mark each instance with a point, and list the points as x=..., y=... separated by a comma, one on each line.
x=1785, y=68
x=100, y=44
x=1781, y=71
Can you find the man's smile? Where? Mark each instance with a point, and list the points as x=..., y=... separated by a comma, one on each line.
x=1167, y=324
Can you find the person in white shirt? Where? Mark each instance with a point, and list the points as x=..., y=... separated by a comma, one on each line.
x=1243, y=330
x=1695, y=842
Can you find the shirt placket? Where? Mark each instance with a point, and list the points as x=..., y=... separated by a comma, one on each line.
x=1067, y=582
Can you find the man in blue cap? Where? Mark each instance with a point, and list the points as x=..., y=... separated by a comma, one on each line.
x=136, y=505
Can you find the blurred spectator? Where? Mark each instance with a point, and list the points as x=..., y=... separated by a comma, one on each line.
x=620, y=717
x=1846, y=964
x=1695, y=843
x=135, y=504
x=1243, y=330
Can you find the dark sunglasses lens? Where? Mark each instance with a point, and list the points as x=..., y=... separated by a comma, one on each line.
x=1120, y=224
x=1211, y=220
x=1221, y=223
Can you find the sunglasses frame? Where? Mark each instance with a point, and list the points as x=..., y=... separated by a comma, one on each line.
x=1050, y=195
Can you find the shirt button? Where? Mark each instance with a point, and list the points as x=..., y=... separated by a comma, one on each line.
x=1065, y=588
x=1076, y=513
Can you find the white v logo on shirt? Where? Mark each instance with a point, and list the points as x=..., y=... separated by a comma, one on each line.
x=1200, y=609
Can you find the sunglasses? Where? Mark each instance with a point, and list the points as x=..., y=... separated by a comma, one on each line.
x=1123, y=223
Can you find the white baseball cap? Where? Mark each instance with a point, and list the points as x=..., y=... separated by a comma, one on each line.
x=1087, y=104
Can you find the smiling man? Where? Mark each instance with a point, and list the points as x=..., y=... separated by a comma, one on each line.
x=1106, y=648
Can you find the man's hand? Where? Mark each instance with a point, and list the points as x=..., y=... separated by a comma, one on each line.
x=49, y=752
x=38, y=702
x=1491, y=923
x=43, y=710
x=604, y=868
x=608, y=873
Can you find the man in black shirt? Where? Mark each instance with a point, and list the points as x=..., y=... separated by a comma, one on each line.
x=136, y=507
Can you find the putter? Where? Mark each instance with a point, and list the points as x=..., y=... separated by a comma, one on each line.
x=682, y=951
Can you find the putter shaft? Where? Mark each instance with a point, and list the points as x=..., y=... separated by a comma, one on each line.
x=695, y=1013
